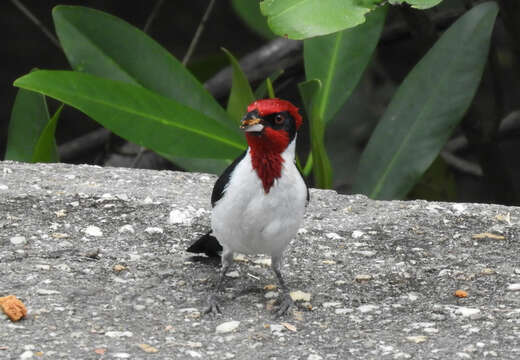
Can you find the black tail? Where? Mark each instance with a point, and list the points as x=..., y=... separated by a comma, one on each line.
x=207, y=244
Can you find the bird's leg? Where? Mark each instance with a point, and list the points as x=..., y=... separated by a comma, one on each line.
x=285, y=298
x=213, y=306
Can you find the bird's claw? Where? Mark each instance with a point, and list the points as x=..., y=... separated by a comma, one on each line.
x=213, y=307
x=285, y=304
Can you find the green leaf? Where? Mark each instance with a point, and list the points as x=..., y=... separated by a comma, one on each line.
x=139, y=115
x=321, y=168
x=417, y=4
x=106, y=46
x=427, y=107
x=262, y=91
x=437, y=183
x=300, y=19
x=241, y=94
x=28, y=119
x=46, y=149
x=249, y=11
x=338, y=61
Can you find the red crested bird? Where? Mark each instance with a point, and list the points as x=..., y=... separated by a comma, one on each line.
x=259, y=201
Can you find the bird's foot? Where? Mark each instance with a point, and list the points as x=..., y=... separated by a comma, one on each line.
x=285, y=304
x=213, y=308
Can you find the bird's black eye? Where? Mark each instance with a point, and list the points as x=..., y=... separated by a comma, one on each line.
x=279, y=119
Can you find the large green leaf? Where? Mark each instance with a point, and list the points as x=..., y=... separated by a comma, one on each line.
x=426, y=108
x=28, y=119
x=417, y=4
x=249, y=11
x=338, y=61
x=241, y=94
x=46, y=149
x=106, y=46
x=300, y=19
x=321, y=169
x=139, y=115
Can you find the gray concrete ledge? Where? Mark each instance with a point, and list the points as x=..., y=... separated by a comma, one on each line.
x=381, y=274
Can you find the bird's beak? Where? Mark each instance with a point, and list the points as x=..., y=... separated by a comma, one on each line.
x=252, y=124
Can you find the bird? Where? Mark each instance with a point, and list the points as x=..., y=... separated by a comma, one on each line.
x=259, y=201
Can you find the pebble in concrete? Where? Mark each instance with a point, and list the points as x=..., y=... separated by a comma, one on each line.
x=227, y=327
x=18, y=240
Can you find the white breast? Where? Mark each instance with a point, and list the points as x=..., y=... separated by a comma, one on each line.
x=249, y=221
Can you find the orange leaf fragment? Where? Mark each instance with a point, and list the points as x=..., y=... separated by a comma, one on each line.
x=461, y=294
x=13, y=307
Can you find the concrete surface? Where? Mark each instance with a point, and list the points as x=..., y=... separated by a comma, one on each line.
x=96, y=254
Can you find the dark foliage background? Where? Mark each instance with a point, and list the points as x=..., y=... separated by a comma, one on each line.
x=480, y=163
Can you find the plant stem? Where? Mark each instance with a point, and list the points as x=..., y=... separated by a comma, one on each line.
x=37, y=22
x=198, y=33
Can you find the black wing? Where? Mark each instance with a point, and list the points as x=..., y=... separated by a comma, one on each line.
x=208, y=244
x=222, y=181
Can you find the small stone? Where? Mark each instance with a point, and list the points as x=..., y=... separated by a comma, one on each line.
x=119, y=268
x=42, y=267
x=514, y=287
x=126, y=228
x=467, y=312
x=194, y=354
x=275, y=328
x=314, y=357
x=331, y=304
x=153, y=230
x=302, y=231
x=357, y=234
x=227, y=327
x=60, y=213
x=139, y=307
x=26, y=355
x=417, y=338
x=367, y=308
x=299, y=295
x=233, y=274
x=263, y=261
x=18, y=240
x=147, y=348
x=271, y=294
x=46, y=292
x=118, y=334
x=488, y=271
x=462, y=355
x=179, y=217
x=342, y=311
x=402, y=355
x=121, y=355
x=459, y=208
x=328, y=262
x=93, y=231
x=333, y=236
x=430, y=330
x=363, y=277
x=413, y=296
